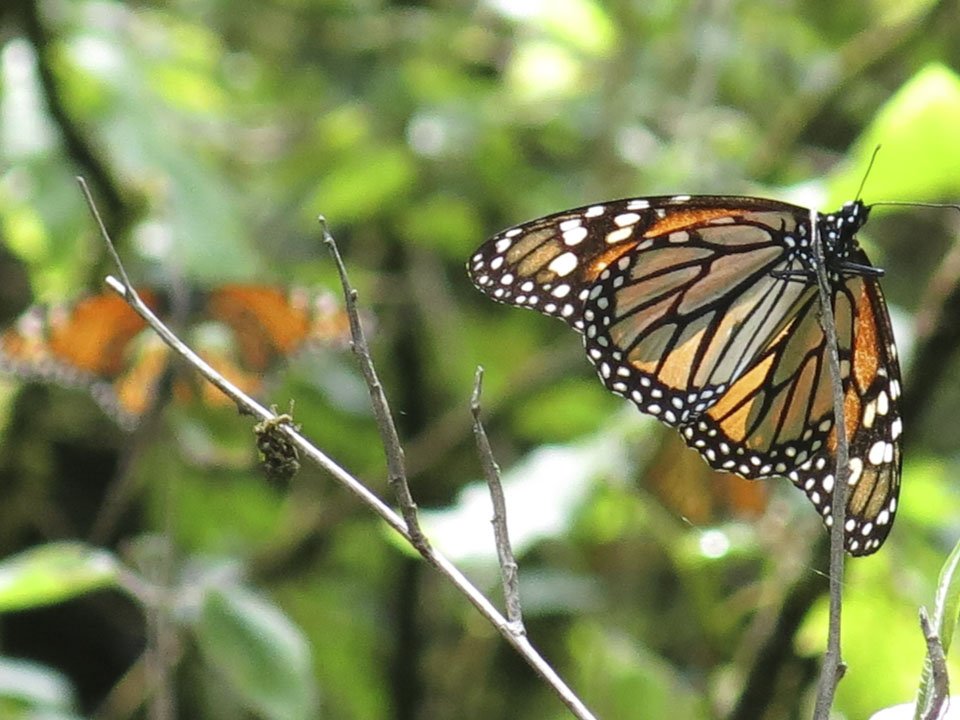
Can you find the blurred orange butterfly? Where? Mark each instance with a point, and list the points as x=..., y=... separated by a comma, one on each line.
x=99, y=342
x=681, y=482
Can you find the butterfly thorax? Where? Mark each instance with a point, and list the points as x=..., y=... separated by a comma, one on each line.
x=837, y=232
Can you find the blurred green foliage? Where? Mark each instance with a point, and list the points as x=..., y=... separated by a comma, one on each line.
x=214, y=133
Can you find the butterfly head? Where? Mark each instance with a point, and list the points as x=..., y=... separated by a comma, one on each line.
x=854, y=214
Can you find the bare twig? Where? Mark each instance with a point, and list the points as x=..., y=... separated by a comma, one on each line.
x=491, y=471
x=938, y=665
x=506, y=629
x=833, y=667
x=396, y=470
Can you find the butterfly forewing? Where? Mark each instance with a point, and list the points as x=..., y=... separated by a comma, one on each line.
x=703, y=311
x=548, y=264
x=671, y=325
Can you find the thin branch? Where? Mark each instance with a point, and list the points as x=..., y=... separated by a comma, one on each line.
x=396, y=470
x=833, y=667
x=77, y=146
x=491, y=471
x=938, y=664
x=249, y=406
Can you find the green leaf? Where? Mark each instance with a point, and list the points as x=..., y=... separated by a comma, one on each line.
x=443, y=223
x=259, y=652
x=566, y=410
x=945, y=613
x=363, y=185
x=54, y=573
x=947, y=607
x=920, y=147
x=580, y=24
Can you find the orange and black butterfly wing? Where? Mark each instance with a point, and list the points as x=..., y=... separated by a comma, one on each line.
x=871, y=386
x=777, y=419
x=673, y=323
x=676, y=296
x=267, y=323
x=87, y=344
x=270, y=324
x=702, y=311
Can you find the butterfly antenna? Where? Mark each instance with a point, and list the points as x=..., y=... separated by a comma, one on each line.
x=908, y=203
x=914, y=203
x=863, y=182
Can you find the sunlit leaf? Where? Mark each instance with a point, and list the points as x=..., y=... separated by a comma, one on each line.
x=920, y=147
x=582, y=24
x=443, y=223
x=363, y=184
x=53, y=573
x=620, y=678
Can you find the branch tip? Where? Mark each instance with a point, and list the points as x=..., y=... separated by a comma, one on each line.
x=477, y=390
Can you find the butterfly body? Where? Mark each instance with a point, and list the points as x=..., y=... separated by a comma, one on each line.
x=703, y=312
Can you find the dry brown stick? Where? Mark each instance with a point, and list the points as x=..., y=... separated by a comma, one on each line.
x=509, y=570
x=833, y=667
x=249, y=406
x=396, y=470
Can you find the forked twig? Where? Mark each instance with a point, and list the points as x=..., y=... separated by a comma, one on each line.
x=833, y=667
x=509, y=570
x=506, y=629
x=396, y=469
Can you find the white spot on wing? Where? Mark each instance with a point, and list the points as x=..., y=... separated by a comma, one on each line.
x=563, y=264
x=624, y=219
x=896, y=427
x=883, y=403
x=619, y=235
x=574, y=236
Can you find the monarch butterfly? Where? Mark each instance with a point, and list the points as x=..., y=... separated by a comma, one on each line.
x=703, y=312
x=99, y=342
